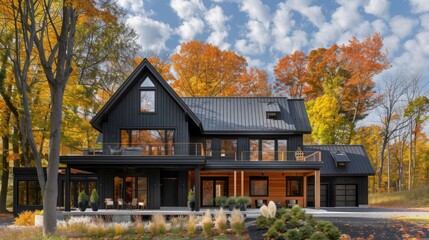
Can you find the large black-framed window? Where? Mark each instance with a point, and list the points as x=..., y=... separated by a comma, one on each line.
x=151, y=141
x=208, y=146
x=267, y=149
x=228, y=148
x=294, y=186
x=29, y=193
x=147, y=96
x=258, y=186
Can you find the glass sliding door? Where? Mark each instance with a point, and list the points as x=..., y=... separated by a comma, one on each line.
x=211, y=188
x=129, y=187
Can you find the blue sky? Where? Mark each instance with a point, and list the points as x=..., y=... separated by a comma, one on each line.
x=264, y=31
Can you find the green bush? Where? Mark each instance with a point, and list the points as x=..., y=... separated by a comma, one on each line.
x=279, y=226
x=295, y=223
x=281, y=211
x=272, y=234
x=297, y=212
x=306, y=231
x=243, y=199
x=94, y=196
x=231, y=200
x=191, y=195
x=286, y=217
x=328, y=229
x=262, y=222
x=318, y=236
x=221, y=200
x=293, y=234
x=82, y=197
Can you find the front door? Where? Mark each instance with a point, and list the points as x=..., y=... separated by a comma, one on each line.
x=169, y=192
x=211, y=188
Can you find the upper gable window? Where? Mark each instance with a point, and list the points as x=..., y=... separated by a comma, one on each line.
x=147, y=96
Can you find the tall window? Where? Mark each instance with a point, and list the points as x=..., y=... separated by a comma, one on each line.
x=29, y=193
x=151, y=142
x=209, y=148
x=228, y=148
x=267, y=149
x=294, y=186
x=258, y=186
x=147, y=96
x=254, y=149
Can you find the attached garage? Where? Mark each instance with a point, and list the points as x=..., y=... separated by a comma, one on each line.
x=346, y=195
x=323, y=195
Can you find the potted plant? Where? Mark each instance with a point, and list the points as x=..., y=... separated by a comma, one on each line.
x=231, y=203
x=221, y=201
x=82, y=201
x=243, y=201
x=191, y=200
x=94, y=200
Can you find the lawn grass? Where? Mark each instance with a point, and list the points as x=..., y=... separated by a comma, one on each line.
x=415, y=198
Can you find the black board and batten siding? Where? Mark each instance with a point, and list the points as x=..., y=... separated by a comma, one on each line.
x=126, y=115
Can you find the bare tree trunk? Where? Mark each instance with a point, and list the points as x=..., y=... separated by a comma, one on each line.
x=5, y=172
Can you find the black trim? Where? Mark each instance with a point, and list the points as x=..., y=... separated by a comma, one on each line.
x=266, y=178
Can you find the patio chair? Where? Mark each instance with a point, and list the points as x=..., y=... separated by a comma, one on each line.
x=134, y=203
x=141, y=205
x=121, y=203
x=115, y=150
x=108, y=202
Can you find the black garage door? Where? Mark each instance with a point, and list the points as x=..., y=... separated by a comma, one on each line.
x=345, y=195
x=323, y=195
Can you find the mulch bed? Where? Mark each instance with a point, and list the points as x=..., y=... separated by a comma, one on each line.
x=365, y=228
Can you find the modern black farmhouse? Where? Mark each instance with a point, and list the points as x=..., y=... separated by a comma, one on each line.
x=156, y=146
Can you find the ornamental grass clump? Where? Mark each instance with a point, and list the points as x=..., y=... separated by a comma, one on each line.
x=138, y=224
x=26, y=218
x=237, y=222
x=272, y=209
x=207, y=223
x=221, y=221
x=263, y=210
x=264, y=220
x=157, y=225
x=192, y=222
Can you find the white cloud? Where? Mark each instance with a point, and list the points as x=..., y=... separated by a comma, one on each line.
x=402, y=26
x=152, y=34
x=190, y=28
x=187, y=8
x=391, y=43
x=289, y=44
x=256, y=10
x=379, y=26
x=347, y=15
x=313, y=13
x=419, y=6
x=216, y=20
x=327, y=34
x=246, y=48
x=379, y=8
x=424, y=21
x=135, y=6
x=416, y=53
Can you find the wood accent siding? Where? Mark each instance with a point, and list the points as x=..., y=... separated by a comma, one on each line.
x=276, y=184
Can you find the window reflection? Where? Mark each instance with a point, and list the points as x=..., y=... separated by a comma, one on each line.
x=147, y=101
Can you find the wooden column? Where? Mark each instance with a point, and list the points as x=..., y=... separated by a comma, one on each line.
x=305, y=192
x=235, y=183
x=242, y=183
x=197, y=188
x=67, y=200
x=317, y=190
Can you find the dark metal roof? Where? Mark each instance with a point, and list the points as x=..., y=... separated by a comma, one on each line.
x=340, y=156
x=359, y=164
x=248, y=114
x=145, y=65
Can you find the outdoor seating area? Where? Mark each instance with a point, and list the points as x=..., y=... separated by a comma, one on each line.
x=109, y=203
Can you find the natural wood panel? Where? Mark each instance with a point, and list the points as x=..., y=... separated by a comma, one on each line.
x=276, y=184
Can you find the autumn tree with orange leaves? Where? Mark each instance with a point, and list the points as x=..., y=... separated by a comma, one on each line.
x=335, y=71
x=205, y=70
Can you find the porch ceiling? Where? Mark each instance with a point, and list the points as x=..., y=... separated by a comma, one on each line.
x=133, y=160
x=263, y=165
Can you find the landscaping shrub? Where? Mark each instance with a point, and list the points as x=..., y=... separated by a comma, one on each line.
x=297, y=212
x=221, y=221
x=318, y=236
x=328, y=229
x=281, y=211
x=207, y=223
x=272, y=209
x=286, y=216
x=237, y=222
x=293, y=234
x=294, y=223
x=26, y=218
x=157, y=225
x=279, y=226
x=264, y=211
x=262, y=222
x=272, y=234
x=306, y=231
x=192, y=221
